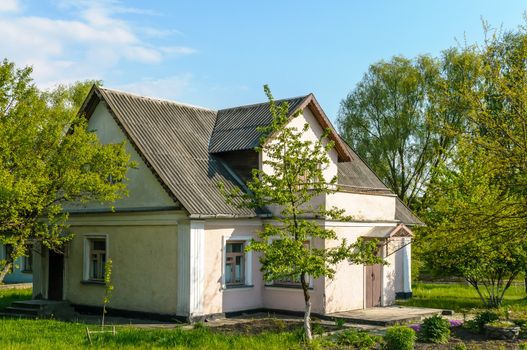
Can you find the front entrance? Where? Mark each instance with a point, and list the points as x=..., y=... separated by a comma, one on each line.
x=55, y=275
x=373, y=285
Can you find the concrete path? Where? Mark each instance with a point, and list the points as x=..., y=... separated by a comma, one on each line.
x=386, y=316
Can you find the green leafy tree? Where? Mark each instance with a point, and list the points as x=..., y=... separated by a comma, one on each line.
x=48, y=158
x=492, y=165
x=291, y=178
x=472, y=210
x=396, y=119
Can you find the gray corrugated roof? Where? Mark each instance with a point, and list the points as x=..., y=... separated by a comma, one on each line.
x=237, y=128
x=173, y=139
x=358, y=176
x=405, y=215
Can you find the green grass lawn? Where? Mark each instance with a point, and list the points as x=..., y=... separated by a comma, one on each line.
x=7, y=296
x=49, y=334
x=459, y=297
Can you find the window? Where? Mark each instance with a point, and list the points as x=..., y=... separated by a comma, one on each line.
x=96, y=259
x=292, y=281
x=234, y=263
x=28, y=262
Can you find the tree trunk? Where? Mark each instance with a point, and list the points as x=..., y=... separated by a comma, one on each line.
x=5, y=271
x=307, y=311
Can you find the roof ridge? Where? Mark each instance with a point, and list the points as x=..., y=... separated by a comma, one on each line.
x=158, y=99
x=263, y=103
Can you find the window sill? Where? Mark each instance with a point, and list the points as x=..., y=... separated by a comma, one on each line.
x=241, y=286
x=100, y=283
x=285, y=286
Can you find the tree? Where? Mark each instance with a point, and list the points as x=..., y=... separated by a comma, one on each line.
x=291, y=177
x=481, y=196
x=396, y=120
x=472, y=210
x=48, y=158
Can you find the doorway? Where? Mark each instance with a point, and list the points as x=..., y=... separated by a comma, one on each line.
x=55, y=275
x=372, y=275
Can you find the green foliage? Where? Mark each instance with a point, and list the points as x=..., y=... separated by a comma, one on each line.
x=108, y=287
x=435, y=329
x=461, y=346
x=477, y=199
x=291, y=179
x=339, y=322
x=484, y=318
x=357, y=339
x=49, y=158
x=395, y=119
x=399, y=338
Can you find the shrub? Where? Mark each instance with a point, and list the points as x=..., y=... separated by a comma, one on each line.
x=460, y=346
x=399, y=338
x=358, y=339
x=339, y=322
x=435, y=329
x=483, y=318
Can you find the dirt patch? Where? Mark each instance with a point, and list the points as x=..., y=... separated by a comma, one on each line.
x=472, y=340
x=271, y=325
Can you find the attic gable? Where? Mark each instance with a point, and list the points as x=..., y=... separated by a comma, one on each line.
x=236, y=128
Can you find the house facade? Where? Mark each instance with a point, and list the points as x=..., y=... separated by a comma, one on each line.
x=178, y=248
x=22, y=270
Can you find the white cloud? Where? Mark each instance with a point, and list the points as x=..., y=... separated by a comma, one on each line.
x=9, y=6
x=172, y=87
x=88, y=46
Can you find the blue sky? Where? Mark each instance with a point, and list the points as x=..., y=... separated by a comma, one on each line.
x=219, y=53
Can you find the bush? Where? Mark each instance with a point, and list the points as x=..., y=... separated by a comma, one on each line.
x=435, y=329
x=460, y=346
x=484, y=318
x=358, y=339
x=399, y=338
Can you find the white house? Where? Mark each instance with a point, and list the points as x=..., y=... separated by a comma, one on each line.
x=177, y=246
x=22, y=271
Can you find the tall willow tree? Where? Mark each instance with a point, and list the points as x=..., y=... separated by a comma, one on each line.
x=47, y=158
x=399, y=119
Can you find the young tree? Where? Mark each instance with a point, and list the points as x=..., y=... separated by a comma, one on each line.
x=48, y=158
x=291, y=178
x=471, y=208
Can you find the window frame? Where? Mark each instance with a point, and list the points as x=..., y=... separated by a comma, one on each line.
x=87, y=257
x=248, y=262
x=290, y=284
x=28, y=267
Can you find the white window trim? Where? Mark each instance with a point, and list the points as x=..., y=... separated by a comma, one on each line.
x=86, y=255
x=248, y=260
x=292, y=287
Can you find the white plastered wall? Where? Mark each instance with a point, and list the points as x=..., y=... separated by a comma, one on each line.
x=216, y=298
x=144, y=189
x=314, y=133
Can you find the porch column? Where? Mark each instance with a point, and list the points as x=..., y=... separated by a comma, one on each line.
x=407, y=268
x=191, y=256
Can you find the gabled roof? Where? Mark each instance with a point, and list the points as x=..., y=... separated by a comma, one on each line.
x=236, y=128
x=178, y=141
x=173, y=139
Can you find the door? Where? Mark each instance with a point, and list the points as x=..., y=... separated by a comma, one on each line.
x=373, y=285
x=55, y=275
